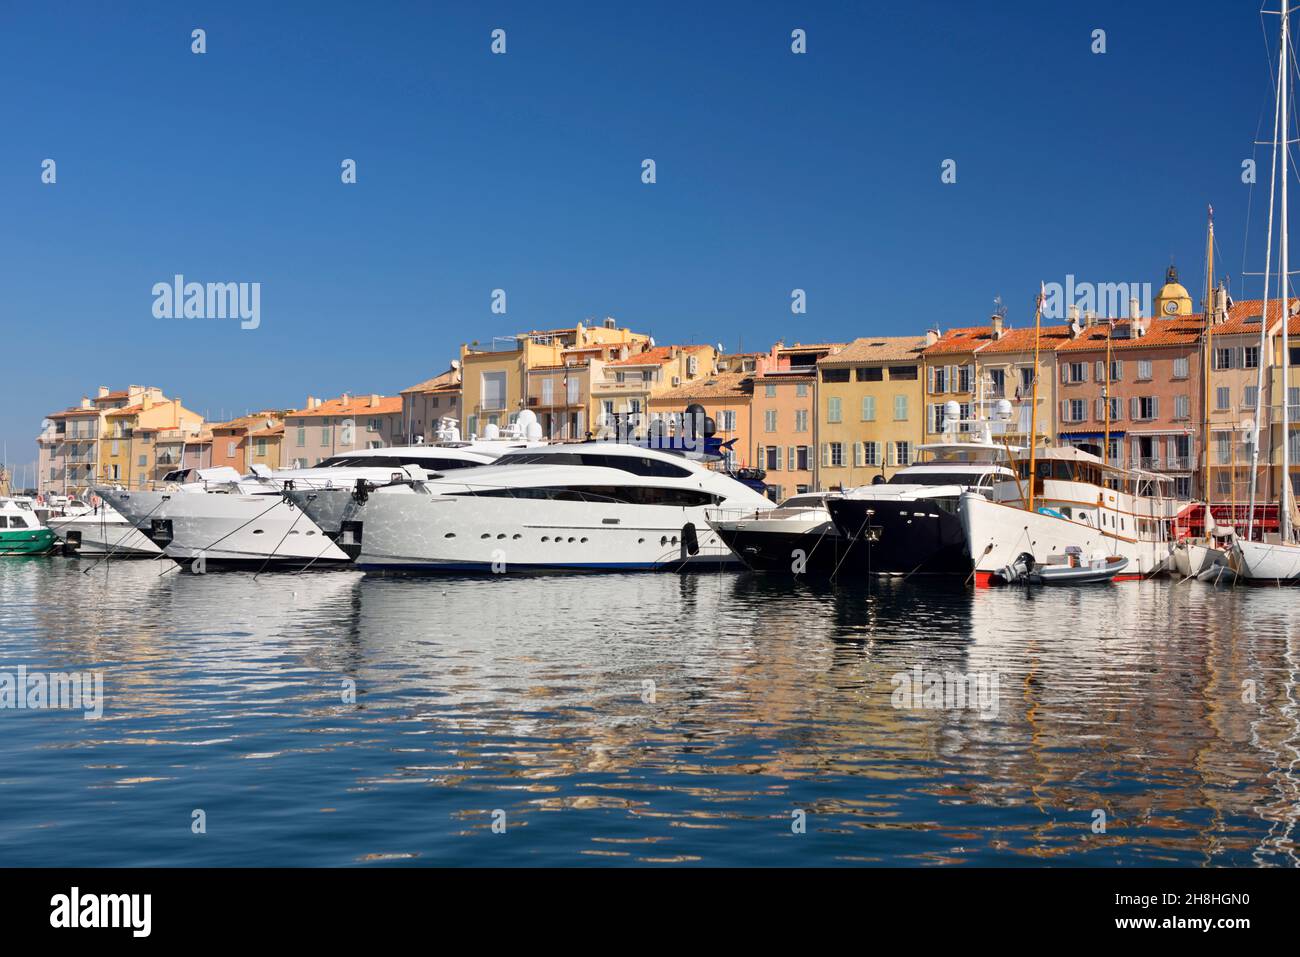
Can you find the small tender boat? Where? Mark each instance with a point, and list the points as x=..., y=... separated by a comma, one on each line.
x=1070, y=569
x=21, y=532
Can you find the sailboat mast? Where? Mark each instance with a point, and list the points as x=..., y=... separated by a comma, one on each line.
x=1207, y=364
x=1284, y=284
x=1265, y=353
x=1033, y=397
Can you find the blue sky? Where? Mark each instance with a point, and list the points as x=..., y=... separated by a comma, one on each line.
x=523, y=172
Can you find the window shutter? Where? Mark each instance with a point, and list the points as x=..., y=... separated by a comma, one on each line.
x=1134, y=411
x=1118, y=410
x=1137, y=453
x=1155, y=407
x=1065, y=372
x=1101, y=371
x=857, y=453
x=1101, y=410
x=826, y=454
x=776, y=459
x=1065, y=410
x=760, y=459
x=790, y=458
x=930, y=371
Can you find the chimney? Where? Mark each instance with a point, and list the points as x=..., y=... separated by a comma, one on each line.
x=996, y=322
x=1220, y=305
x=611, y=322
x=345, y=398
x=103, y=391
x=1074, y=313
x=374, y=401
x=311, y=402
x=931, y=336
x=1089, y=319
x=85, y=402
x=1134, y=308
x=146, y=402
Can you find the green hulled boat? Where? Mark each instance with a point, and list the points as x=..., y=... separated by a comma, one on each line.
x=21, y=532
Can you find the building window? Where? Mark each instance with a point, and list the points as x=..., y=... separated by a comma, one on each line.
x=770, y=391
x=1223, y=358
x=801, y=420
x=302, y=436
x=1183, y=486
x=868, y=408
x=769, y=420
x=1183, y=406
x=1250, y=398
x=902, y=453
x=800, y=458
x=870, y=374
x=801, y=390
x=1076, y=410
x=835, y=375
x=871, y=453
x=1181, y=368
x=1144, y=370
x=1250, y=357
x=900, y=408
x=492, y=389
x=837, y=454
x=833, y=409
x=727, y=420
x=1074, y=372
x=1145, y=407
x=902, y=373
x=1222, y=398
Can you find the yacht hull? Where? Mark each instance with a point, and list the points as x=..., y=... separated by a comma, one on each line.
x=242, y=531
x=118, y=538
x=817, y=552
x=408, y=531
x=901, y=537
x=1266, y=563
x=998, y=534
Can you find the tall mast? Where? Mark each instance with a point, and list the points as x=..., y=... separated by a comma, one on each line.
x=1207, y=364
x=1105, y=442
x=1265, y=353
x=1284, y=284
x=1033, y=398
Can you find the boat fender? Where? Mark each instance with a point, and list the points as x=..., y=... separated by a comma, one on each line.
x=690, y=541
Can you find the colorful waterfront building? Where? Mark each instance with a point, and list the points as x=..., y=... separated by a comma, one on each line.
x=325, y=427
x=1150, y=368
x=784, y=417
x=128, y=444
x=628, y=383
x=496, y=384
x=869, y=410
x=727, y=398
x=232, y=443
x=427, y=403
x=68, y=448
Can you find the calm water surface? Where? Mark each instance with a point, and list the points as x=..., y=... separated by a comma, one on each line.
x=528, y=696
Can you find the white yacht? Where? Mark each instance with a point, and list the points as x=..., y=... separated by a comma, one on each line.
x=797, y=537
x=909, y=525
x=1075, y=501
x=583, y=506
x=247, y=520
x=99, y=530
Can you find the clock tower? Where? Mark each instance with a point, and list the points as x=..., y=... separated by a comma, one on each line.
x=1173, y=299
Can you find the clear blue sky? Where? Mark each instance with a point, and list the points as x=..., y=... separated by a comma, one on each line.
x=522, y=171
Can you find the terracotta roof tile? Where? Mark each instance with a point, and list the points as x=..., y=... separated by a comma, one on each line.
x=720, y=386
x=876, y=349
x=655, y=356
x=355, y=405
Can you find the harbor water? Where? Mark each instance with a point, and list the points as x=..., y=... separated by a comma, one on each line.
x=336, y=718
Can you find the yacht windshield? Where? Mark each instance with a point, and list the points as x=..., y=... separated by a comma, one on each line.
x=942, y=478
x=637, y=465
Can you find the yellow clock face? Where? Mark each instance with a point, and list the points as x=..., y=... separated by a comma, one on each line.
x=1171, y=308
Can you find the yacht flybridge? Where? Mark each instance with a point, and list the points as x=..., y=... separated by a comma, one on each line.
x=584, y=506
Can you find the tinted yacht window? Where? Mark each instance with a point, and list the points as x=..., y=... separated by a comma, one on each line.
x=615, y=494
x=637, y=465
x=429, y=463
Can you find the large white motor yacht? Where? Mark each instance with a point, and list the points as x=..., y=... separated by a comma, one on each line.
x=584, y=506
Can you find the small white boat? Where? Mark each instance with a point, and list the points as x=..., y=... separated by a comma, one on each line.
x=101, y=530
x=1071, y=569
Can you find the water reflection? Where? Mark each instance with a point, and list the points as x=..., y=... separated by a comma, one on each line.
x=646, y=718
